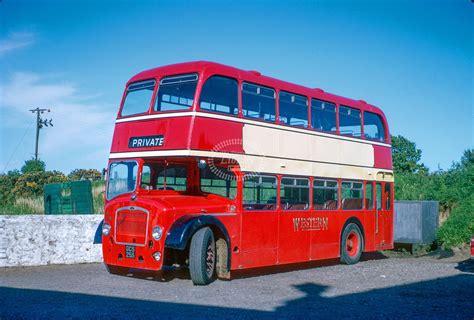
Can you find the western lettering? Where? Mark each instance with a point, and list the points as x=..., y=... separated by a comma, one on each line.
x=296, y=222
x=310, y=224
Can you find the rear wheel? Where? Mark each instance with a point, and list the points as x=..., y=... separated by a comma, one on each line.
x=352, y=244
x=202, y=257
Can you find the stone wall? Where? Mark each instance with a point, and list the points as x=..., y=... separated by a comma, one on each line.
x=33, y=240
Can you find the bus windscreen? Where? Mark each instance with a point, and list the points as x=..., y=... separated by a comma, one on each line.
x=176, y=92
x=138, y=97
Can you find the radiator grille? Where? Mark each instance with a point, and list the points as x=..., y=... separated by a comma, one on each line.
x=131, y=226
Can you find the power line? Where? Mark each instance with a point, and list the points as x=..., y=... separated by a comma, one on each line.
x=17, y=146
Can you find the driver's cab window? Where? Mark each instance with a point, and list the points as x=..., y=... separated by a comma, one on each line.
x=160, y=176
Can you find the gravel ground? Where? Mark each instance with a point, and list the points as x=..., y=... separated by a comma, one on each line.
x=378, y=287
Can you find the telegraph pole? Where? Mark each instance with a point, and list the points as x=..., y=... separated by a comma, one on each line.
x=39, y=124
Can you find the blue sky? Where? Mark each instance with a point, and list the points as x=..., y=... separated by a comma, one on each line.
x=414, y=59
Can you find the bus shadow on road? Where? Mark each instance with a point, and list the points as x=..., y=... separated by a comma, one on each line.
x=449, y=297
x=466, y=266
x=171, y=273
x=263, y=271
x=183, y=273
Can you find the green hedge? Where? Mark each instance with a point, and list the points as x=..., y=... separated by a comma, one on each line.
x=459, y=227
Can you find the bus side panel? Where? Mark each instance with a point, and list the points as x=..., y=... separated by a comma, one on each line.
x=259, y=238
x=226, y=136
x=326, y=234
x=175, y=132
x=389, y=229
x=294, y=236
x=369, y=228
x=382, y=157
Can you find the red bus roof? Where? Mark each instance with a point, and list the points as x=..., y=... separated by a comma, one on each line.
x=211, y=68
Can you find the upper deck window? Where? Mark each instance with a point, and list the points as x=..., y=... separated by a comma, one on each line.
x=373, y=127
x=349, y=121
x=219, y=94
x=176, y=92
x=323, y=115
x=138, y=97
x=258, y=102
x=293, y=109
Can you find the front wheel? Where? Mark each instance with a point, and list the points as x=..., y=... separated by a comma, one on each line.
x=202, y=257
x=352, y=244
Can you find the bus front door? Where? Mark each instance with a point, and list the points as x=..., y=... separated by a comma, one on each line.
x=259, y=234
x=379, y=216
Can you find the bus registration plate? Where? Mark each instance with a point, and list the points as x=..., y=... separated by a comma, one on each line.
x=130, y=252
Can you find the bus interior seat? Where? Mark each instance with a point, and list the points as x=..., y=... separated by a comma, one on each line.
x=330, y=205
x=367, y=203
x=318, y=206
x=352, y=203
x=298, y=206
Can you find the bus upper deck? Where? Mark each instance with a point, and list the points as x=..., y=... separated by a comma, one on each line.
x=200, y=108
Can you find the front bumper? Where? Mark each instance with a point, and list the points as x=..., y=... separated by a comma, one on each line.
x=114, y=254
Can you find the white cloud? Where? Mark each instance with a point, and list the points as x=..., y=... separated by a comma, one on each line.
x=82, y=131
x=16, y=40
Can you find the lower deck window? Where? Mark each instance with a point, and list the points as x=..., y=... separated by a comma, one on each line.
x=294, y=194
x=378, y=197
x=160, y=176
x=369, y=195
x=260, y=192
x=352, y=195
x=388, y=196
x=218, y=180
x=325, y=194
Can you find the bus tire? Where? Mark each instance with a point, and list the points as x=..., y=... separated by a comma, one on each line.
x=202, y=257
x=352, y=244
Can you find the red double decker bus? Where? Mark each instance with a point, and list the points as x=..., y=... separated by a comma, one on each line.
x=220, y=169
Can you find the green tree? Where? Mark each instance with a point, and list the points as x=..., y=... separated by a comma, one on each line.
x=32, y=184
x=33, y=165
x=459, y=227
x=7, y=183
x=406, y=156
x=85, y=174
x=467, y=158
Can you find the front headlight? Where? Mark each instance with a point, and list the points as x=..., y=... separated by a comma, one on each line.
x=157, y=232
x=106, y=229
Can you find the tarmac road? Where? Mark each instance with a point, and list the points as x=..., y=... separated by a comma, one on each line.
x=378, y=287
